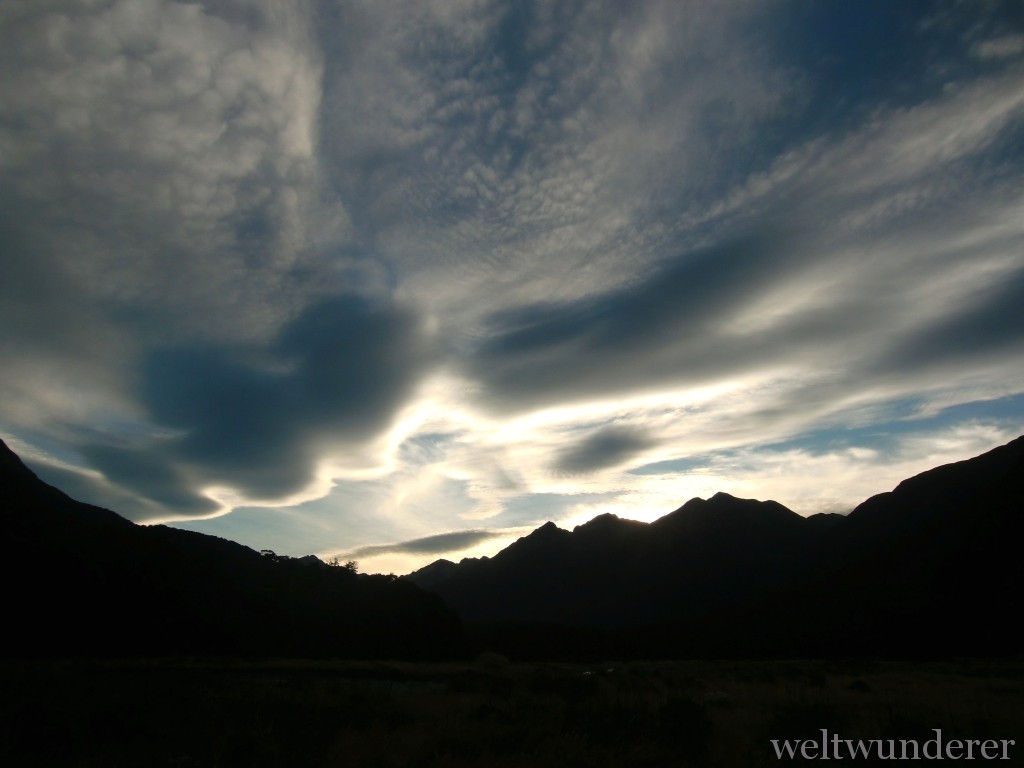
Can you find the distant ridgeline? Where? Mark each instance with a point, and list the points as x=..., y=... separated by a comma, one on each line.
x=932, y=568
x=80, y=580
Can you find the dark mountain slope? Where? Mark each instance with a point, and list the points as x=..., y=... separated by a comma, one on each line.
x=932, y=567
x=937, y=561
x=82, y=580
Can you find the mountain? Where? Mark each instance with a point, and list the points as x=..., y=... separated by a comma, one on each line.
x=936, y=562
x=81, y=580
x=610, y=569
x=933, y=567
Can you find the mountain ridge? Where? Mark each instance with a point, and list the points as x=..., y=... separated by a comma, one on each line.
x=875, y=580
x=929, y=568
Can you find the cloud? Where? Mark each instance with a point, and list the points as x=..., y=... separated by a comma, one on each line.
x=819, y=300
x=478, y=260
x=657, y=331
x=148, y=475
x=189, y=118
x=252, y=420
x=989, y=327
x=429, y=545
x=522, y=145
x=91, y=487
x=158, y=186
x=1004, y=47
x=847, y=467
x=606, y=447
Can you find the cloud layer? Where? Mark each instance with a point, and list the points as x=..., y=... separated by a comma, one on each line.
x=369, y=272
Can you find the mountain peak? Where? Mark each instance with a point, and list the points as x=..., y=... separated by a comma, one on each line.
x=542, y=539
x=608, y=524
x=606, y=520
x=546, y=533
x=725, y=512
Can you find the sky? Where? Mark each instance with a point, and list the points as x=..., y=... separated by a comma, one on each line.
x=394, y=281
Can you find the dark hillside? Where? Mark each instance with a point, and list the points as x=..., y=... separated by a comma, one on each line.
x=84, y=581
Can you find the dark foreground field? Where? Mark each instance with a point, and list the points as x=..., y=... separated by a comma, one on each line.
x=488, y=713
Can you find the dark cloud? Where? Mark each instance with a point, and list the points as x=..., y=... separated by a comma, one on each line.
x=986, y=330
x=969, y=339
x=681, y=299
x=30, y=286
x=354, y=362
x=429, y=545
x=655, y=330
x=604, y=448
x=45, y=318
x=991, y=325
x=93, y=489
x=148, y=474
x=252, y=419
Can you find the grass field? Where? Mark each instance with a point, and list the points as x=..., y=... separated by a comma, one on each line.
x=190, y=712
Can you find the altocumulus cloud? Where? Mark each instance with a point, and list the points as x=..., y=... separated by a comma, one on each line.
x=158, y=186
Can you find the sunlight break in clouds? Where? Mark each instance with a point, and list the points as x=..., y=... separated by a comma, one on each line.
x=407, y=280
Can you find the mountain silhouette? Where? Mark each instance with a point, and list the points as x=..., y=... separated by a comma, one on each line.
x=931, y=568
x=82, y=580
